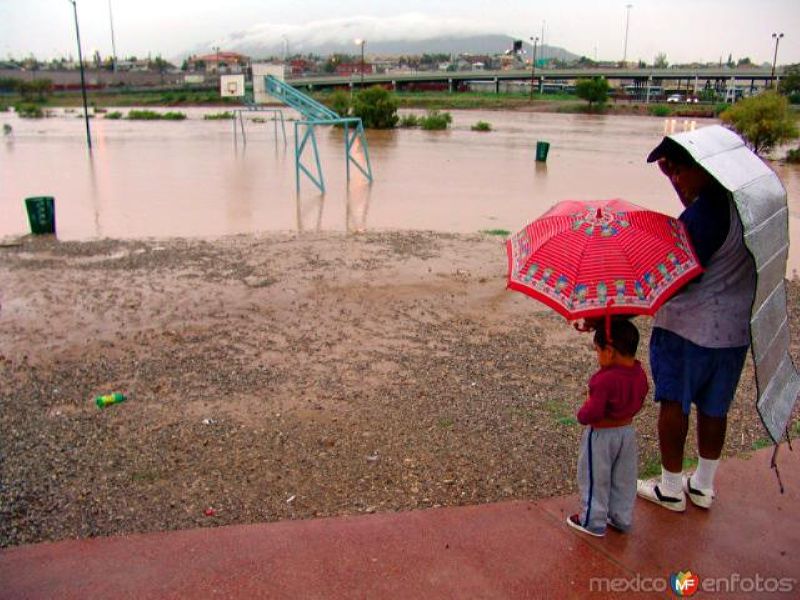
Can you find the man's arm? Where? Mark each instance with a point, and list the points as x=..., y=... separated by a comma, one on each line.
x=707, y=222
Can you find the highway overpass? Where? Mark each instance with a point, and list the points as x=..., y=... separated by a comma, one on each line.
x=720, y=78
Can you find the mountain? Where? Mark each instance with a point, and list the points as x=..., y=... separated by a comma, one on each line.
x=410, y=34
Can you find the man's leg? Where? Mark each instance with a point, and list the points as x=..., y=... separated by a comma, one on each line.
x=710, y=440
x=712, y=421
x=710, y=435
x=673, y=426
x=667, y=491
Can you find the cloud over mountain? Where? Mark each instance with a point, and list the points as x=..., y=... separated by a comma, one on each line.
x=383, y=35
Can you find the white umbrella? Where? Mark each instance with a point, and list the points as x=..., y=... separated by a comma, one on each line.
x=760, y=199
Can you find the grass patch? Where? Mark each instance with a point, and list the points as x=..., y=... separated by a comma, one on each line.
x=652, y=467
x=27, y=110
x=659, y=110
x=219, y=116
x=151, y=115
x=482, y=126
x=143, y=115
x=409, y=121
x=761, y=443
x=466, y=100
x=436, y=121
x=561, y=412
x=445, y=422
x=145, y=476
x=498, y=232
x=114, y=115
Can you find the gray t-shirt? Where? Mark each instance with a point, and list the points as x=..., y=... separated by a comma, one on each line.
x=714, y=310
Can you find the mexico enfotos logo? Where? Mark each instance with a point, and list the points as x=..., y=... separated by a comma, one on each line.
x=686, y=583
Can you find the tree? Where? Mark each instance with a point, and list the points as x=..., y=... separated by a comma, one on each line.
x=660, y=61
x=744, y=62
x=377, y=107
x=592, y=90
x=764, y=121
x=790, y=83
x=36, y=90
x=340, y=103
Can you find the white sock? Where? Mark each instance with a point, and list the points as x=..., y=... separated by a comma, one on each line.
x=703, y=477
x=671, y=483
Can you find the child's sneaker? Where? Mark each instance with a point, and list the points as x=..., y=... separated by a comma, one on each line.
x=574, y=521
x=699, y=497
x=614, y=525
x=649, y=490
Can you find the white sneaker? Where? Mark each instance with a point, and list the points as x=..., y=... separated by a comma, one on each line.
x=649, y=490
x=699, y=497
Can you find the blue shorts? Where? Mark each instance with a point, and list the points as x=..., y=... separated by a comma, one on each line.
x=687, y=373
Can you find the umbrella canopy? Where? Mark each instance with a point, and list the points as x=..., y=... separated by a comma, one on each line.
x=592, y=258
x=760, y=199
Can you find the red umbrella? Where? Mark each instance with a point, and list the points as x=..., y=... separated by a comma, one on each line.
x=593, y=258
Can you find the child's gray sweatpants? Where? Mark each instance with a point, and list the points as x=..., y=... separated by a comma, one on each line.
x=607, y=469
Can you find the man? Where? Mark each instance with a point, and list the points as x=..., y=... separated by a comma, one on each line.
x=701, y=335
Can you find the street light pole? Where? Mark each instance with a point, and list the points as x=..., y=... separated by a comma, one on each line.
x=627, y=23
x=83, y=79
x=777, y=37
x=361, y=42
x=535, y=40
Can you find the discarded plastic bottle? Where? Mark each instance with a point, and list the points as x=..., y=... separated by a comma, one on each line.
x=109, y=399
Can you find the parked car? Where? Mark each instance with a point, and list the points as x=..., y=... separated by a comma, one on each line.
x=675, y=98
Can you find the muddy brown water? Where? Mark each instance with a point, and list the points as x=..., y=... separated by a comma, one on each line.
x=190, y=178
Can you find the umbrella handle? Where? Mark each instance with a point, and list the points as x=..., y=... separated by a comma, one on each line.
x=608, y=320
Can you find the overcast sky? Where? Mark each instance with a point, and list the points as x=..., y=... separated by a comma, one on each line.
x=686, y=30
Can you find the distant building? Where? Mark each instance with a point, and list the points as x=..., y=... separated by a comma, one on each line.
x=300, y=66
x=348, y=69
x=218, y=62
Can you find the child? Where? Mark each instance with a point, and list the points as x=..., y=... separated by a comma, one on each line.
x=607, y=462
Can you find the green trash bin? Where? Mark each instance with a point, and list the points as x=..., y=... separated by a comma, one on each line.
x=41, y=214
x=542, y=148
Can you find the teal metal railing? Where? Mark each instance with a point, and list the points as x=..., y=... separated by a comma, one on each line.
x=305, y=105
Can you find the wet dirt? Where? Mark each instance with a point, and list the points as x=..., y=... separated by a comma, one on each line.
x=280, y=376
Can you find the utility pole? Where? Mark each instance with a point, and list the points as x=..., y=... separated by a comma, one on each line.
x=83, y=78
x=542, y=38
x=628, y=7
x=113, y=42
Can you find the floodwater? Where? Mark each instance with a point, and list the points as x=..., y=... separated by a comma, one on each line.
x=194, y=178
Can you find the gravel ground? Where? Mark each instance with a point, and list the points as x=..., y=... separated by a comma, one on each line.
x=282, y=377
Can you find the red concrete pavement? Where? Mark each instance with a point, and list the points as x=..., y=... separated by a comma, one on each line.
x=504, y=550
